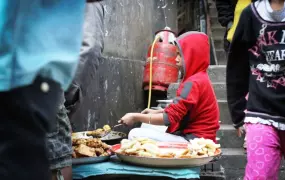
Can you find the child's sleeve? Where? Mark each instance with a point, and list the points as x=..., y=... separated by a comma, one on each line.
x=237, y=78
x=182, y=104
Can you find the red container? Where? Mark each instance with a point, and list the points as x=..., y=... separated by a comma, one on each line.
x=164, y=68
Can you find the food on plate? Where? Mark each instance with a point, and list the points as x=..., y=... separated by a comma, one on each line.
x=99, y=132
x=145, y=147
x=106, y=128
x=204, y=147
x=80, y=135
x=92, y=147
x=139, y=147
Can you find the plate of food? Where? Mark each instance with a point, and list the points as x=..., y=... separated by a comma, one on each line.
x=98, y=133
x=106, y=134
x=146, y=152
x=91, y=150
x=114, y=137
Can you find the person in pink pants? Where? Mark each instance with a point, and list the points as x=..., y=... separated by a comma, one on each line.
x=256, y=66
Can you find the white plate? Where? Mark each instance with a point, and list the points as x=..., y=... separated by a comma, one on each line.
x=165, y=162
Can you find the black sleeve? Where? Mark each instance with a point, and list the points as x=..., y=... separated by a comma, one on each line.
x=238, y=70
x=225, y=10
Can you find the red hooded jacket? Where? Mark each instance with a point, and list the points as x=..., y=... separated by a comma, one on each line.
x=195, y=110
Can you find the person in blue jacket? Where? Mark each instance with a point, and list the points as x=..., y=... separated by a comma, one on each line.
x=39, y=51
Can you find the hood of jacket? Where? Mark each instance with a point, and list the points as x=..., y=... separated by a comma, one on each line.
x=195, y=52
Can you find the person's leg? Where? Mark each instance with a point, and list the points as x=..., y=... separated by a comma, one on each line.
x=263, y=152
x=59, y=144
x=26, y=115
x=155, y=135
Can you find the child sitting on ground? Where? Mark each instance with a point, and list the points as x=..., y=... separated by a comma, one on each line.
x=194, y=112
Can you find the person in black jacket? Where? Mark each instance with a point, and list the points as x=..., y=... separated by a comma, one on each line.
x=229, y=12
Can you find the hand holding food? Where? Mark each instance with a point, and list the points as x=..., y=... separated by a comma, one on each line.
x=128, y=119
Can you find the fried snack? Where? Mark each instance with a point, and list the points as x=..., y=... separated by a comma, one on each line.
x=144, y=154
x=99, y=151
x=89, y=148
x=74, y=154
x=79, y=141
x=105, y=154
x=166, y=155
x=105, y=146
x=106, y=128
x=186, y=156
x=95, y=143
x=151, y=148
x=85, y=151
x=99, y=132
x=142, y=147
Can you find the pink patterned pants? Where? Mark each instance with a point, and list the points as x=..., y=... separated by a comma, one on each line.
x=265, y=148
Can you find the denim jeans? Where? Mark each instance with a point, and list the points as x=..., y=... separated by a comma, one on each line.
x=59, y=144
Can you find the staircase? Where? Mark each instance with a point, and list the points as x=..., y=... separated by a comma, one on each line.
x=218, y=33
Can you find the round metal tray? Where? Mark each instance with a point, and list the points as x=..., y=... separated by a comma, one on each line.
x=165, y=162
x=89, y=160
x=114, y=137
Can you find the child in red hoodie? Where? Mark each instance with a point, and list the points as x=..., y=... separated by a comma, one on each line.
x=194, y=112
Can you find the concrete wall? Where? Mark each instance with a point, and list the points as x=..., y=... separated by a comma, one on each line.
x=116, y=88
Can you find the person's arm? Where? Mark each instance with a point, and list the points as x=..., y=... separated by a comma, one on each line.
x=152, y=111
x=182, y=104
x=237, y=77
x=225, y=10
x=174, y=113
x=130, y=118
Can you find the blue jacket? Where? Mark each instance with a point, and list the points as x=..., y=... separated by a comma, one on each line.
x=39, y=37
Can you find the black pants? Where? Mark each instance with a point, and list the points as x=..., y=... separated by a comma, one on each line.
x=26, y=114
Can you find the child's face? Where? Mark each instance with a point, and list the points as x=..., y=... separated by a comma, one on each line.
x=178, y=59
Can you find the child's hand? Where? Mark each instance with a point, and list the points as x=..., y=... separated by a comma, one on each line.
x=147, y=111
x=240, y=131
x=128, y=119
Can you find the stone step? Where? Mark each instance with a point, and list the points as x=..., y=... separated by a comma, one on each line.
x=228, y=137
x=221, y=56
x=233, y=158
x=213, y=11
x=219, y=42
x=218, y=31
x=219, y=88
x=225, y=117
x=215, y=22
x=234, y=174
x=217, y=73
x=211, y=4
x=233, y=162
